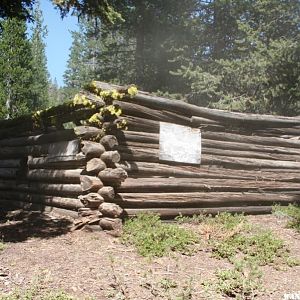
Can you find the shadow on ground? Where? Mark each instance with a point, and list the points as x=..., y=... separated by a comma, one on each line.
x=20, y=225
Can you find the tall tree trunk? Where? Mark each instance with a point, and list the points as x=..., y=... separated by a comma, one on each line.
x=140, y=42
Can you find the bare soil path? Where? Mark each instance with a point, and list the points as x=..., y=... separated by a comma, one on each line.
x=40, y=250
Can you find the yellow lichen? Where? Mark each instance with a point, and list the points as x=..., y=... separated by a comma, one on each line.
x=132, y=91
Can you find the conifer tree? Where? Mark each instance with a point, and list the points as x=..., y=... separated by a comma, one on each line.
x=15, y=69
x=40, y=86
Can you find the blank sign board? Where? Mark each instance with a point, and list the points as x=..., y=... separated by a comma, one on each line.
x=179, y=143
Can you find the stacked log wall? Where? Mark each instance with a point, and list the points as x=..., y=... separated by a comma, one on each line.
x=248, y=162
x=105, y=173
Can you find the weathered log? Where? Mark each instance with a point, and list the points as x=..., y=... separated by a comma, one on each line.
x=57, y=162
x=214, y=140
x=11, y=163
x=21, y=152
x=109, y=142
x=110, y=224
x=138, y=154
x=163, y=185
x=95, y=165
x=135, y=136
x=56, y=149
x=68, y=203
x=171, y=213
x=268, y=141
x=90, y=183
x=144, y=169
x=125, y=146
x=232, y=162
x=152, y=155
x=111, y=157
x=91, y=200
x=137, y=144
x=113, y=176
x=111, y=210
x=62, y=212
x=43, y=188
x=108, y=193
x=9, y=172
x=17, y=131
x=55, y=175
x=92, y=149
x=207, y=143
x=181, y=107
x=200, y=199
x=251, y=154
x=45, y=138
x=139, y=111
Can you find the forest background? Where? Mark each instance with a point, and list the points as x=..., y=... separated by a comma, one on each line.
x=241, y=55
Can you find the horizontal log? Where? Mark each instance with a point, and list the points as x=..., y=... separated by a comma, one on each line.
x=137, y=144
x=239, y=146
x=232, y=162
x=42, y=188
x=205, y=150
x=57, y=162
x=162, y=185
x=9, y=172
x=67, y=203
x=137, y=136
x=251, y=154
x=144, y=169
x=201, y=200
x=152, y=155
x=11, y=163
x=47, y=175
x=171, y=213
x=64, y=148
x=6, y=204
x=153, y=138
x=17, y=131
x=268, y=141
x=182, y=107
x=138, y=154
x=45, y=138
x=139, y=111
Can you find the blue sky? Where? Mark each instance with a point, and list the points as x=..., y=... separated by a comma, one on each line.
x=58, y=41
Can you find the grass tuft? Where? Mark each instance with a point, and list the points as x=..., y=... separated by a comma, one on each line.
x=152, y=238
x=243, y=281
x=292, y=212
x=2, y=246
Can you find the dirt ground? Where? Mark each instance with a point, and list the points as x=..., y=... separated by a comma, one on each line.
x=40, y=250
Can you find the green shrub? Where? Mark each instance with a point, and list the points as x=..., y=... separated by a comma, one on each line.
x=241, y=282
x=292, y=211
x=151, y=237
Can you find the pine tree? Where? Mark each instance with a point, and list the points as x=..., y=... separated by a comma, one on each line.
x=251, y=60
x=15, y=69
x=77, y=72
x=40, y=86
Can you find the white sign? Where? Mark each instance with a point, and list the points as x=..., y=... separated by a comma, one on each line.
x=179, y=143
